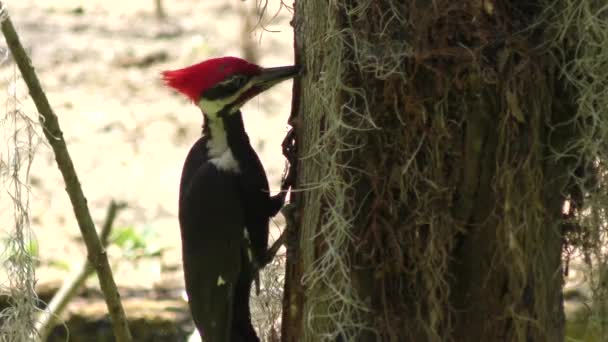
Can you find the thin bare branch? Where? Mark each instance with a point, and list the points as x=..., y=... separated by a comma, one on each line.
x=48, y=318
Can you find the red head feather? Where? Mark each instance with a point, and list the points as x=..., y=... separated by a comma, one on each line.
x=192, y=81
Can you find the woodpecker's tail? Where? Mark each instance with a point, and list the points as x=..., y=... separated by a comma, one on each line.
x=242, y=329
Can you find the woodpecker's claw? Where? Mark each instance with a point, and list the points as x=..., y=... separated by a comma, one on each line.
x=276, y=202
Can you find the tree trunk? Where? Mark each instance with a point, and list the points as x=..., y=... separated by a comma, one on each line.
x=430, y=203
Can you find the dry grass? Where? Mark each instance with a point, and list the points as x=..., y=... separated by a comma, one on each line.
x=20, y=139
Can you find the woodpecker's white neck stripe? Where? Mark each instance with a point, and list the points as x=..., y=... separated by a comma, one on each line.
x=218, y=150
x=226, y=162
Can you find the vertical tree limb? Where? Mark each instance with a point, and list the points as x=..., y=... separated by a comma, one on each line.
x=291, y=325
x=95, y=251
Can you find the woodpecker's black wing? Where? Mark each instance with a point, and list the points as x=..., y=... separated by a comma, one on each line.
x=242, y=329
x=253, y=185
x=212, y=222
x=255, y=198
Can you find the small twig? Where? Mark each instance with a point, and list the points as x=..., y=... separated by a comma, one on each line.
x=274, y=249
x=159, y=9
x=111, y=214
x=95, y=251
x=48, y=318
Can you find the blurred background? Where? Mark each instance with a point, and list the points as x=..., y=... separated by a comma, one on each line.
x=99, y=63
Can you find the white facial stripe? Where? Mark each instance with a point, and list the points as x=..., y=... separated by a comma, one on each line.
x=213, y=107
x=236, y=78
x=220, y=281
x=219, y=142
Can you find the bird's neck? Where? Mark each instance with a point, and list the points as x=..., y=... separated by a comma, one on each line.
x=227, y=140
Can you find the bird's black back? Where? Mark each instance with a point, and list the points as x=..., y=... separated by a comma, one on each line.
x=211, y=221
x=253, y=184
x=211, y=198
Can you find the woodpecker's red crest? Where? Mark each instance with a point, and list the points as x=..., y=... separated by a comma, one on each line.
x=194, y=80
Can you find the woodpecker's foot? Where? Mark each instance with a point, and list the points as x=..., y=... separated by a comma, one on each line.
x=276, y=202
x=273, y=250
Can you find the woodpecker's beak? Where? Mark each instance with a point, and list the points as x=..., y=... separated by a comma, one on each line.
x=265, y=80
x=272, y=76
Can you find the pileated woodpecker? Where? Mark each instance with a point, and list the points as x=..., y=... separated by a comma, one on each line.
x=224, y=200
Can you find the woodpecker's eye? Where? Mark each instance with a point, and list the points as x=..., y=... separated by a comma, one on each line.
x=226, y=88
x=239, y=81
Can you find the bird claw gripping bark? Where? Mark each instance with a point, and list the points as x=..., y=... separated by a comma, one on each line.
x=277, y=202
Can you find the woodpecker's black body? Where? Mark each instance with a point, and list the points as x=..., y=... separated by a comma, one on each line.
x=216, y=206
x=224, y=201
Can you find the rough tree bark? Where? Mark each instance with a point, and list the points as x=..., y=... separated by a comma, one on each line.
x=430, y=202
